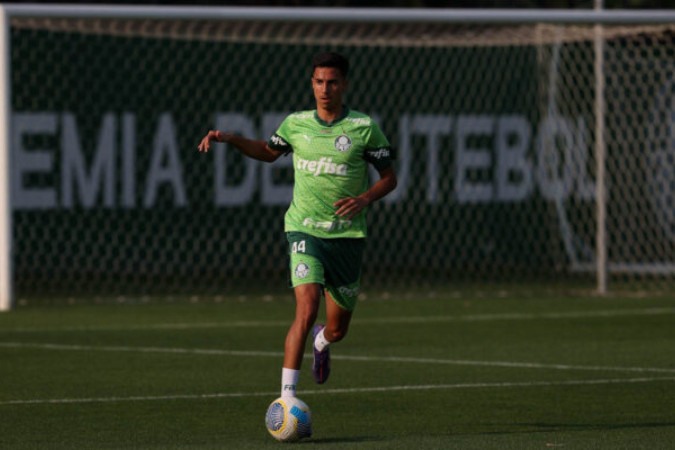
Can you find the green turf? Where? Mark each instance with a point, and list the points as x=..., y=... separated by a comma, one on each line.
x=444, y=371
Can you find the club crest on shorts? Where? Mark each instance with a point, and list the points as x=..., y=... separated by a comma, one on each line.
x=301, y=270
x=343, y=143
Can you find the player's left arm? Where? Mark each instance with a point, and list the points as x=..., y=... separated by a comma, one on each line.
x=350, y=206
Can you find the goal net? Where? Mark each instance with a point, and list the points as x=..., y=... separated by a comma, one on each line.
x=494, y=127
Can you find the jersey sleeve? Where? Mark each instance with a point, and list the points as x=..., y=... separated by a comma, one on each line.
x=279, y=141
x=378, y=151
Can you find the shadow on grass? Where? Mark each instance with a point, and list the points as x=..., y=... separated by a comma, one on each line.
x=542, y=427
x=343, y=440
x=598, y=426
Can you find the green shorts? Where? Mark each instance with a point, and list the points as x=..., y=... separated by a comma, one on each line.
x=333, y=263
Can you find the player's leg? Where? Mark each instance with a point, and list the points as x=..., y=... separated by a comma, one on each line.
x=307, y=301
x=337, y=320
x=342, y=270
x=307, y=279
x=337, y=324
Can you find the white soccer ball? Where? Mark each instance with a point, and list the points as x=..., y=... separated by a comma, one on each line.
x=289, y=419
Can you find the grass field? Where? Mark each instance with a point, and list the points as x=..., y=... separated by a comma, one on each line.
x=453, y=371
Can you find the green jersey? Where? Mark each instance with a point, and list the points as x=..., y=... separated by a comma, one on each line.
x=330, y=162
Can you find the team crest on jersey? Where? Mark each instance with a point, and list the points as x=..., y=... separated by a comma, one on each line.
x=343, y=143
x=301, y=270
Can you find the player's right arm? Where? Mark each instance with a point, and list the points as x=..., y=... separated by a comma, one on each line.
x=252, y=148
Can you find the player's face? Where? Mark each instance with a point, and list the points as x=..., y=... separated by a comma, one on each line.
x=329, y=85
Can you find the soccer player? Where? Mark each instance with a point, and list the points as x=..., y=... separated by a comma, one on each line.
x=325, y=224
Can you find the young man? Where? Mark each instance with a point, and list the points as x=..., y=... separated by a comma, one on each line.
x=325, y=223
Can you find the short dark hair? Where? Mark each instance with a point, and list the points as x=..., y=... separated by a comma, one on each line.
x=331, y=59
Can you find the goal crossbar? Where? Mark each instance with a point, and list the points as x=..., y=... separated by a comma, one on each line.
x=321, y=14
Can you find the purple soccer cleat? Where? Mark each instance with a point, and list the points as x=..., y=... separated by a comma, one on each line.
x=321, y=365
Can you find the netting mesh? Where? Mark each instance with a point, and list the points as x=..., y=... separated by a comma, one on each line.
x=493, y=126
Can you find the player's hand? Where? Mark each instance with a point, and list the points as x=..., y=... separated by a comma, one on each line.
x=205, y=144
x=350, y=206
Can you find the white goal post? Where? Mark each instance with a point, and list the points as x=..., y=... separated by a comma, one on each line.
x=5, y=203
x=387, y=16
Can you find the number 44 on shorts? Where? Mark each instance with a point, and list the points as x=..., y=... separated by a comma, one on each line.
x=298, y=247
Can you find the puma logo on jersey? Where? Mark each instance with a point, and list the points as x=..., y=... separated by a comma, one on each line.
x=322, y=166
